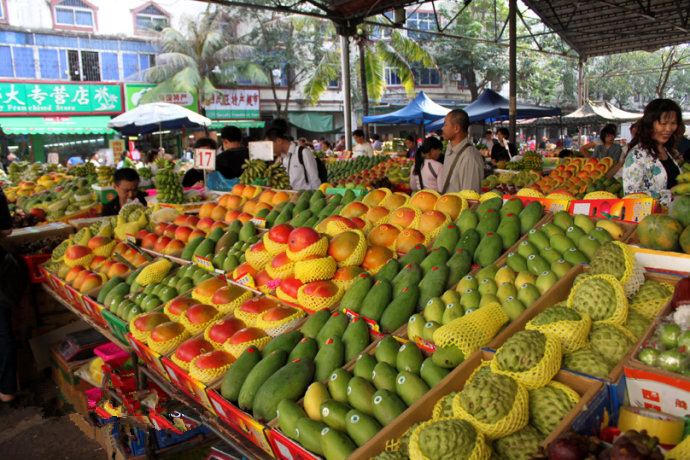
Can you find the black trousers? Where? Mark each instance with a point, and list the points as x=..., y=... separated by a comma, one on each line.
x=8, y=351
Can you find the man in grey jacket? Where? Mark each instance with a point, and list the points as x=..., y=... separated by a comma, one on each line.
x=298, y=161
x=463, y=166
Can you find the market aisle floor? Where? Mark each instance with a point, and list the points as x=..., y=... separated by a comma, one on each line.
x=37, y=428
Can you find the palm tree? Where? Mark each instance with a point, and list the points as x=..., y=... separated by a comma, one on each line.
x=200, y=59
x=399, y=52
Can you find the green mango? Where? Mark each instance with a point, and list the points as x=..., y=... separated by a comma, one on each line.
x=330, y=356
x=399, y=309
x=468, y=220
x=354, y=297
x=361, y=427
x=376, y=300
x=448, y=238
x=410, y=387
x=387, y=406
x=355, y=338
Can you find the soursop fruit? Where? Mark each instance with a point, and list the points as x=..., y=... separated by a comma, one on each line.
x=390, y=456
x=521, y=445
x=610, y=341
x=609, y=259
x=447, y=439
x=650, y=291
x=403, y=448
x=581, y=277
x=446, y=406
x=587, y=361
x=547, y=407
x=522, y=351
x=488, y=397
x=596, y=297
x=636, y=323
x=554, y=314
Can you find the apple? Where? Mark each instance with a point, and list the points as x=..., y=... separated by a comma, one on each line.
x=180, y=305
x=301, y=238
x=161, y=243
x=280, y=233
x=191, y=348
x=246, y=335
x=278, y=313
x=166, y=331
x=182, y=233
x=224, y=329
x=148, y=321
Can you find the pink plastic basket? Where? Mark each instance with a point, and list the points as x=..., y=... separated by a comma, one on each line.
x=111, y=354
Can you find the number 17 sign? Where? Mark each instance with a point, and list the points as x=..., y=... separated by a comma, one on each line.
x=205, y=159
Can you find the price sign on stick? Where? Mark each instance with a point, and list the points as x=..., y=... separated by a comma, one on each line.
x=205, y=159
x=261, y=150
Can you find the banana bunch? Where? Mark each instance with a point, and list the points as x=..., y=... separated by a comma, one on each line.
x=105, y=175
x=164, y=163
x=278, y=177
x=145, y=172
x=253, y=170
x=506, y=178
x=169, y=187
x=84, y=170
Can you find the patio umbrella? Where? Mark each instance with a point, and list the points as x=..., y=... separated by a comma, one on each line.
x=157, y=116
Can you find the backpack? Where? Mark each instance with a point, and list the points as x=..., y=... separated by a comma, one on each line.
x=320, y=167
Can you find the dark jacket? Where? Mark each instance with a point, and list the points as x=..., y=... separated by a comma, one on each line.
x=229, y=162
x=112, y=207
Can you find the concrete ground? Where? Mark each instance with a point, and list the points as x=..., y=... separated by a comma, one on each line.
x=36, y=426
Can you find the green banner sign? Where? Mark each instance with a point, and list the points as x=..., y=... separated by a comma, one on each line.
x=134, y=93
x=56, y=98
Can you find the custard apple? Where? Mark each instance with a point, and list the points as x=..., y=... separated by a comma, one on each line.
x=448, y=439
x=488, y=397
x=522, y=351
x=385, y=455
x=547, y=407
x=403, y=448
x=521, y=445
x=651, y=290
x=587, y=361
x=446, y=406
x=636, y=323
x=609, y=259
x=596, y=297
x=610, y=341
x=554, y=314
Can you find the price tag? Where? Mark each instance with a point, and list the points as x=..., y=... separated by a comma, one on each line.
x=259, y=222
x=261, y=150
x=205, y=159
x=130, y=239
x=204, y=263
x=246, y=280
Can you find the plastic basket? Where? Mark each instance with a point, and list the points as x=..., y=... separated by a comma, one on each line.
x=167, y=438
x=36, y=275
x=111, y=354
x=117, y=326
x=135, y=440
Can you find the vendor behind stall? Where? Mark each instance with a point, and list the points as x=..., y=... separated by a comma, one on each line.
x=126, y=184
x=195, y=177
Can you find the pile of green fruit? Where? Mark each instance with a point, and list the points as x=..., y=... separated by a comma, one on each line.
x=343, y=169
x=252, y=170
x=277, y=177
x=145, y=173
x=224, y=248
x=397, y=144
x=311, y=207
x=83, y=170
x=105, y=175
x=668, y=349
x=531, y=160
x=169, y=187
x=607, y=184
x=519, y=180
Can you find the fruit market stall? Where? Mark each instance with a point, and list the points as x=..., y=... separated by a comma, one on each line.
x=367, y=323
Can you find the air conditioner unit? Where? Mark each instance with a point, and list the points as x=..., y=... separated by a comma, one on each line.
x=456, y=77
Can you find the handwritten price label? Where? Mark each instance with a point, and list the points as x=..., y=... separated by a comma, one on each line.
x=130, y=239
x=205, y=159
x=203, y=263
x=246, y=280
x=259, y=222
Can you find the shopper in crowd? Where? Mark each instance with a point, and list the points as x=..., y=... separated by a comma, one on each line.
x=229, y=162
x=195, y=177
x=463, y=166
x=606, y=147
x=316, y=145
x=126, y=184
x=427, y=168
x=683, y=148
x=489, y=139
x=340, y=145
x=585, y=146
x=299, y=161
x=13, y=281
x=649, y=165
x=502, y=150
x=362, y=147
x=412, y=147
x=377, y=145
x=303, y=142
x=327, y=148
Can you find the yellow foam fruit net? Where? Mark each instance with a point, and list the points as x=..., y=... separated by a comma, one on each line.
x=281, y=272
x=201, y=298
x=529, y=192
x=415, y=220
x=633, y=277
x=559, y=196
x=514, y=420
x=184, y=365
x=600, y=195
x=569, y=392
x=335, y=227
x=138, y=334
x=344, y=284
x=310, y=270
x=207, y=375
x=393, y=201
x=370, y=200
x=154, y=272
x=83, y=261
x=169, y=314
x=237, y=349
x=542, y=373
x=357, y=255
x=168, y=345
x=473, y=330
x=434, y=233
x=480, y=451
x=248, y=318
x=319, y=248
x=121, y=230
x=463, y=202
x=257, y=259
x=469, y=195
x=83, y=238
x=282, y=295
x=275, y=328
x=316, y=303
x=650, y=308
x=272, y=247
x=195, y=328
x=106, y=249
x=620, y=314
x=243, y=296
x=572, y=334
x=488, y=195
x=437, y=412
x=680, y=452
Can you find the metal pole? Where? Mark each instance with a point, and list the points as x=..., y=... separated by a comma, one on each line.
x=580, y=97
x=512, y=13
x=347, y=108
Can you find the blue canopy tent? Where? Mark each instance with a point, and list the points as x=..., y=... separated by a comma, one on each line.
x=491, y=106
x=420, y=111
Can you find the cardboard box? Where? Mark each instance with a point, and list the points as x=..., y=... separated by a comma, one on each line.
x=660, y=260
x=559, y=292
x=71, y=385
x=41, y=345
x=78, y=224
x=28, y=234
x=630, y=210
x=584, y=414
x=104, y=194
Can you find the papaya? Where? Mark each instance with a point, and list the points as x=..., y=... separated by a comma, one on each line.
x=660, y=232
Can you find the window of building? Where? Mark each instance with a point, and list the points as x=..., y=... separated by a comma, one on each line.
x=420, y=21
x=24, y=62
x=3, y=11
x=334, y=84
x=391, y=77
x=150, y=18
x=134, y=65
x=84, y=65
x=74, y=13
x=426, y=77
x=380, y=32
x=6, y=56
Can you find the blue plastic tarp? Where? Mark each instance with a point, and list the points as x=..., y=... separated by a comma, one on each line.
x=421, y=110
x=491, y=106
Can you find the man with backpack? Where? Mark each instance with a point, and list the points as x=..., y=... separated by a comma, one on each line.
x=306, y=172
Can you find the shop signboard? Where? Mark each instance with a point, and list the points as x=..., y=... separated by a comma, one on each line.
x=134, y=93
x=118, y=147
x=29, y=98
x=234, y=104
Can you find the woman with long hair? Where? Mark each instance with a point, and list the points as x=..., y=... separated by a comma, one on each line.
x=649, y=167
x=427, y=168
